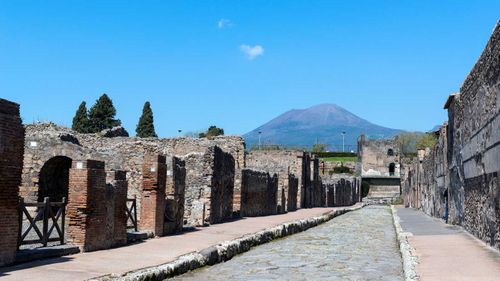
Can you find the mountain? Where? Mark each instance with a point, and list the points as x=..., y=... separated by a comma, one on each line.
x=322, y=123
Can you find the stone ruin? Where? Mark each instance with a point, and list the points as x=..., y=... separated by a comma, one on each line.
x=342, y=190
x=300, y=183
x=457, y=179
x=380, y=169
x=174, y=182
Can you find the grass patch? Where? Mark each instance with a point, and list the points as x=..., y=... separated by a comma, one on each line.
x=340, y=159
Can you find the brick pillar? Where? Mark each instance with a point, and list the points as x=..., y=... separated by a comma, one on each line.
x=118, y=179
x=86, y=210
x=154, y=181
x=11, y=163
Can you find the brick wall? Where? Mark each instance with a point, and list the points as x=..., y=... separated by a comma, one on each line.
x=258, y=193
x=11, y=162
x=154, y=180
x=87, y=211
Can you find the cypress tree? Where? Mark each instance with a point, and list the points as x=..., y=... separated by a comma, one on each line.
x=102, y=115
x=145, y=127
x=81, y=121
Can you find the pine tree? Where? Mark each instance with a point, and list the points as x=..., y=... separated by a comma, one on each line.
x=102, y=115
x=81, y=121
x=145, y=127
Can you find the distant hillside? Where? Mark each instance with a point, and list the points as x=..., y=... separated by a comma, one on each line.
x=324, y=123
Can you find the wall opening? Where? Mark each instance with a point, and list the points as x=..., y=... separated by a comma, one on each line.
x=54, y=179
x=390, y=152
x=392, y=169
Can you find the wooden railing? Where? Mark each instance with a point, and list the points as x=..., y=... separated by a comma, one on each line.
x=47, y=212
x=132, y=214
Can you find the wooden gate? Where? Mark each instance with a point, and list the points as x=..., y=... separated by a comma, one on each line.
x=48, y=216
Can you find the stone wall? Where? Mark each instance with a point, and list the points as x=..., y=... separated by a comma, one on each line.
x=176, y=188
x=283, y=163
x=46, y=141
x=209, y=187
x=11, y=162
x=342, y=190
x=258, y=193
x=461, y=171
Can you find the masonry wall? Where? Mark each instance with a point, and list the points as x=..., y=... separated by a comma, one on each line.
x=176, y=188
x=342, y=190
x=209, y=187
x=45, y=141
x=153, y=199
x=463, y=167
x=11, y=162
x=293, y=189
x=283, y=163
x=116, y=196
x=258, y=193
x=87, y=210
x=375, y=158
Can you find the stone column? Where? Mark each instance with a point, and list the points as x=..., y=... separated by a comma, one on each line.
x=154, y=182
x=87, y=211
x=11, y=163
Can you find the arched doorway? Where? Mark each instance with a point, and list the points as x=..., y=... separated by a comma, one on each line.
x=54, y=179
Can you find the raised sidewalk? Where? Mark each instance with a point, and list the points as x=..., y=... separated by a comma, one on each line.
x=151, y=252
x=447, y=252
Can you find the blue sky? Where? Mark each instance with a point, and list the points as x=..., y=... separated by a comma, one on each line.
x=390, y=62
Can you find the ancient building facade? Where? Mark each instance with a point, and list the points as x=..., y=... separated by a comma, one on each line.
x=460, y=173
x=380, y=168
x=50, y=150
x=11, y=162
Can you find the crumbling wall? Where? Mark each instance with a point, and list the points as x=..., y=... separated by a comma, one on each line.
x=258, y=193
x=44, y=141
x=176, y=188
x=11, y=162
x=283, y=163
x=342, y=190
x=209, y=187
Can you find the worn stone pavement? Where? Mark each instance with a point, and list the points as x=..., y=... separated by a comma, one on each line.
x=148, y=253
x=448, y=252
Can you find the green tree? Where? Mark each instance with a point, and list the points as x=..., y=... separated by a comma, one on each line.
x=145, y=127
x=81, y=122
x=426, y=141
x=212, y=131
x=102, y=115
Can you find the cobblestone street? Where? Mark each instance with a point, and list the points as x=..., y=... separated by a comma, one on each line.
x=359, y=245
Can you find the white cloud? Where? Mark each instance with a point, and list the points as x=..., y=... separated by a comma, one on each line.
x=252, y=52
x=224, y=23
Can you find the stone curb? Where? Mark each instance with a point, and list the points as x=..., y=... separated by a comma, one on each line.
x=408, y=255
x=226, y=250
